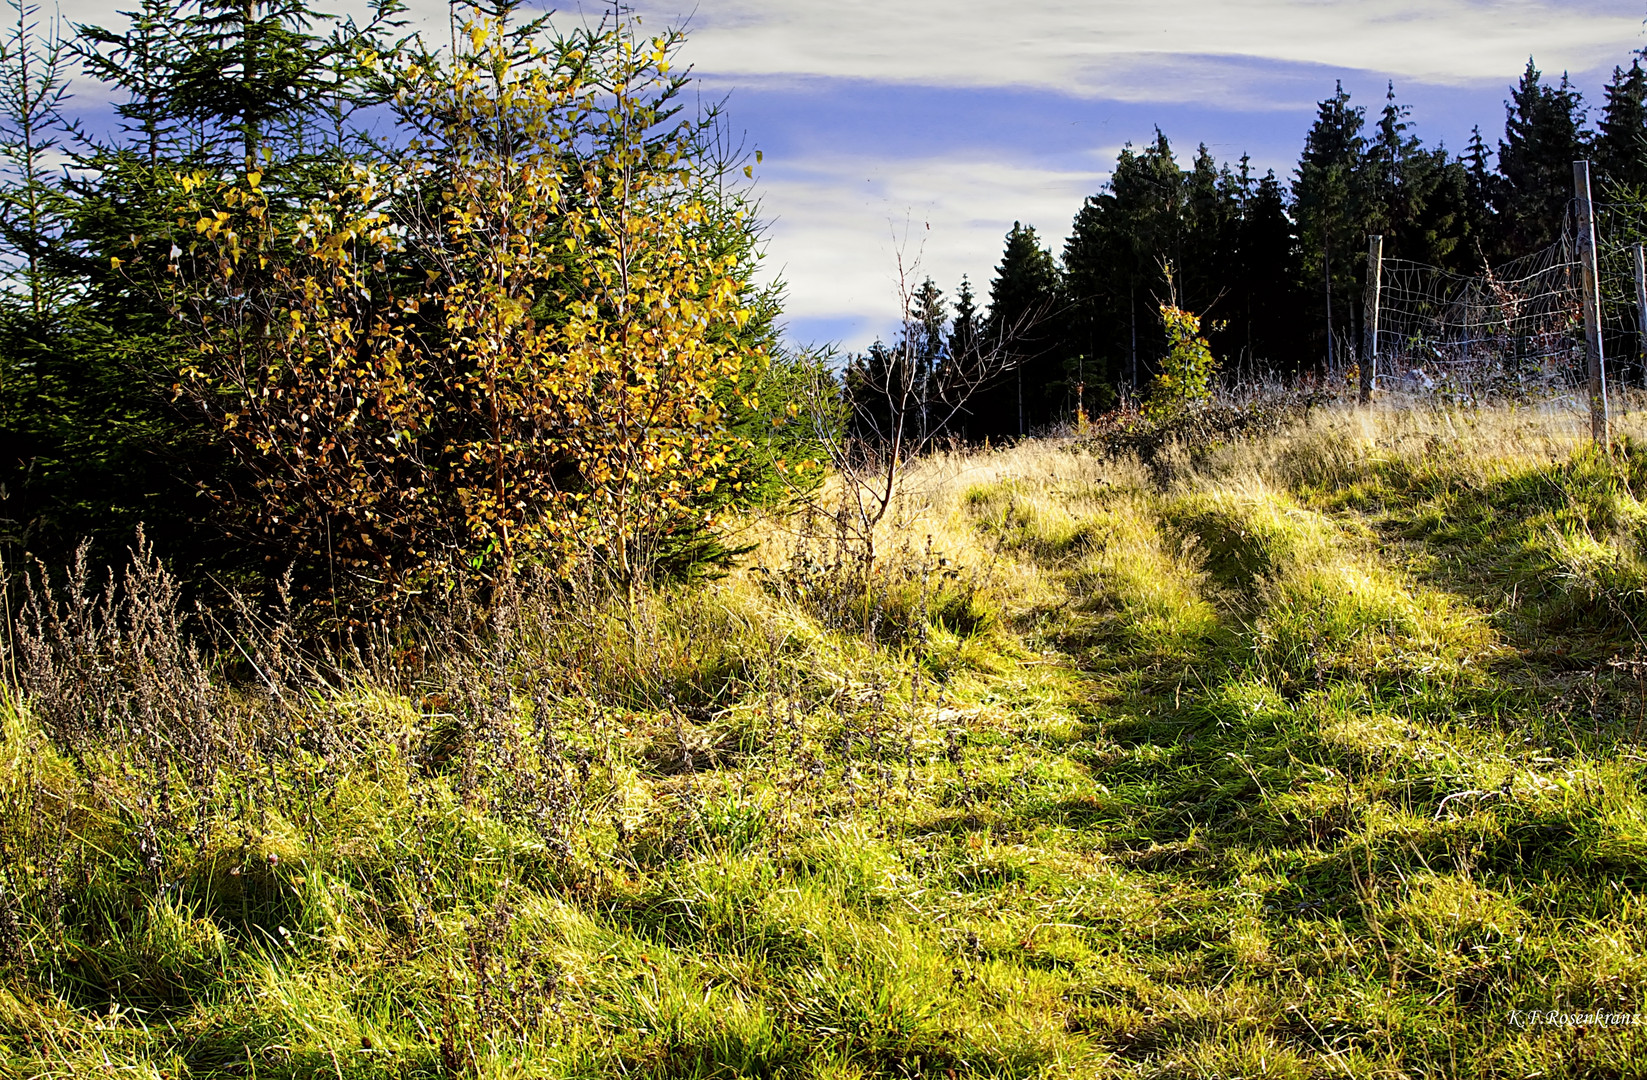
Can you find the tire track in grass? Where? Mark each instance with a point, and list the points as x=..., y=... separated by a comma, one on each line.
x=1282, y=771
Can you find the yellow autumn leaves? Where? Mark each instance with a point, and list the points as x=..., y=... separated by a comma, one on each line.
x=507, y=347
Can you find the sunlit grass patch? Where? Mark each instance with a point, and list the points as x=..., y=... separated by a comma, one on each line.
x=1247, y=536
x=1339, y=619
x=1596, y=580
x=1256, y=1054
x=1028, y=518
x=1146, y=583
x=1454, y=932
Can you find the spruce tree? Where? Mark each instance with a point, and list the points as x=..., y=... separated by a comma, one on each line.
x=865, y=382
x=1211, y=216
x=1481, y=196
x=962, y=363
x=1385, y=168
x=1621, y=141
x=253, y=66
x=1440, y=230
x=142, y=62
x=115, y=448
x=44, y=426
x=1152, y=215
x=1023, y=301
x=1543, y=135
x=1417, y=198
x=965, y=328
x=928, y=317
x=1149, y=196
x=1270, y=264
x=923, y=350
x=1096, y=287
x=1331, y=203
x=1148, y=224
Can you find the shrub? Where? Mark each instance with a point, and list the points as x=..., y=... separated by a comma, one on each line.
x=1186, y=370
x=514, y=345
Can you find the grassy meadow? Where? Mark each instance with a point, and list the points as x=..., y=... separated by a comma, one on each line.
x=1313, y=754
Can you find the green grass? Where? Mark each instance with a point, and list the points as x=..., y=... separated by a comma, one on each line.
x=1324, y=761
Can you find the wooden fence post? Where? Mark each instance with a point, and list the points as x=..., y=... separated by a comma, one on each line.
x=1641, y=310
x=1369, y=344
x=1593, y=365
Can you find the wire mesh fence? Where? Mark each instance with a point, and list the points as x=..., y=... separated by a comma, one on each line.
x=1517, y=327
x=1621, y=227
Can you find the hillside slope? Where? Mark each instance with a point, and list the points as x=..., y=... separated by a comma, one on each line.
x=1317, y=754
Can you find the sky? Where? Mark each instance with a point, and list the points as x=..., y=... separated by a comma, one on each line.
x=913, y=134
x=925, y=128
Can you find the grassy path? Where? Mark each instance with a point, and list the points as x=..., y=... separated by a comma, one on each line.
x=1381, y=820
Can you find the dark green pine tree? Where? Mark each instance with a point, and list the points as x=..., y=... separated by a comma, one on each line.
x=49, y=422
x=1440, y=230
x=1122, y=242
x=1212, y=209
x=1416, y=197
x=143, y=62
x=929, y=315
x=1023, y=306
x=1543, y=135
x=1389, y=197
x=922, y=350
x=967, y=377
x=1240, y=280
x=1152, y=216
x=113, y=450
x=1149, y=200
x=1097, y=288
x=868, y=382
x=1621, y=138
x=1481, y=196
x=965, y=328
x=35, y=133
x=255, y=70
x=963, y=365
x=894, y=388
x=1277, y=339
x=1330, y=201
x=1208, y=251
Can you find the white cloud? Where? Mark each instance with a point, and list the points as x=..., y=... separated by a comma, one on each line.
x=838, y=226
x=1197, y=51
x=1172, y=50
